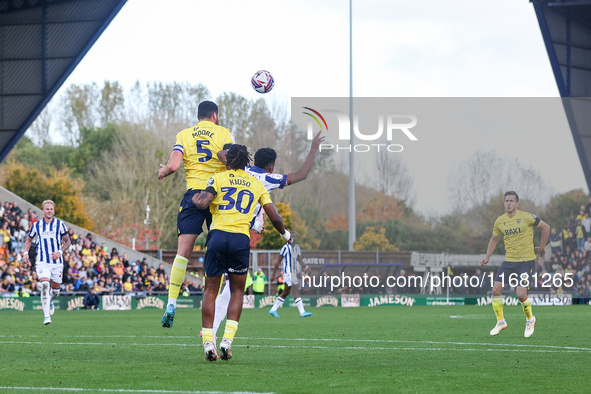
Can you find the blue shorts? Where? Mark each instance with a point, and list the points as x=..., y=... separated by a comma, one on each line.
x=512, y=269
x=226, y=253
x=190, y=218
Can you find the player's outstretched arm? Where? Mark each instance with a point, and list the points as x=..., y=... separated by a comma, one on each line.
x=545, y=234
x=492, y=244
x=174, y=162
x=305, y=169
x=276, y=220
x=203, y=199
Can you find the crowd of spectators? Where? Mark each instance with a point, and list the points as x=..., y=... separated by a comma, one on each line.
x=571, y=254
x=87, y=265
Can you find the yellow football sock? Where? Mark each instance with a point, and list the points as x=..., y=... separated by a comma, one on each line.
x=207, y=334
x=231, y=328
x=177, y=276
x=527, y=308
x=497, y=303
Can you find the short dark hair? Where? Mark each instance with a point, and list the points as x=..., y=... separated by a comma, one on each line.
x=237, y=157
x=206, y=109
x=265, y=157
x=512, y=193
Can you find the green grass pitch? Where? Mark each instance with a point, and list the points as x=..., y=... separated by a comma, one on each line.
x=439, y=349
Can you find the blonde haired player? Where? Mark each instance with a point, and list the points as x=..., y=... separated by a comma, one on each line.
x=197, y=148
x=518, y=230
x=51, y=233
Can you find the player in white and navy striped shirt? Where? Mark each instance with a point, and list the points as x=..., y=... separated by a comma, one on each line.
x=291, y=267
x=51, y=233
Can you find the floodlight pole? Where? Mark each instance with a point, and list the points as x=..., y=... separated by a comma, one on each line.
x=147, y=222
x=352, y=221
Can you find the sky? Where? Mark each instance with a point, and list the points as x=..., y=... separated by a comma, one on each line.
x=419, y=48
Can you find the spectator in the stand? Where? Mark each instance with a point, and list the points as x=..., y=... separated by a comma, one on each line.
x=91, y=299
x=259, y=279
x=100, y=286
x=118, y=269
x=109, y=285
x=586, y=223
x=16, y=211
x=127, y=285
x=160, y=270
x=572, y=224
x=25, y=223
x=117, y=286
x=33, y=218
x=7, y=285
x=555, y=242
x=193, y=288
x=125, y=260
x=570, y=243
x=580, y=236
x=69, y=280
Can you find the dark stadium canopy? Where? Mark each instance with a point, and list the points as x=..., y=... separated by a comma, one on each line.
x=566, y=29
x=41, y=42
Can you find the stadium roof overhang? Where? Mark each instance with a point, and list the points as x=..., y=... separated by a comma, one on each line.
x=566, y=29
x=41, y=42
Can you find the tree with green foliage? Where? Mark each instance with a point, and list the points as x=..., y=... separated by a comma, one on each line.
x=272, y=240
x=373, y=240
x=560, y=208
x=65, y=192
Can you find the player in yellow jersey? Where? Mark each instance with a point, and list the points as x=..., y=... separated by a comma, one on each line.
x=233, y=196
x=517, y=228
x=197, y=148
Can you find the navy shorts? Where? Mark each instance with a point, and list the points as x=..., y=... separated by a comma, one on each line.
x=226, y=253
x=190, y=218
x=511, y=269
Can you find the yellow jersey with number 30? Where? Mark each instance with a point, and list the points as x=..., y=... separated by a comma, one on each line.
x=200, y=145
x=519, y=235
x=236, y=195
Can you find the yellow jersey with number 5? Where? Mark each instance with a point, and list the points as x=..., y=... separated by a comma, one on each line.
x=519, y=235
x=236, y=195
x=200, y=145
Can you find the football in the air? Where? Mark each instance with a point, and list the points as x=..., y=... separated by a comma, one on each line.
x=262, y=81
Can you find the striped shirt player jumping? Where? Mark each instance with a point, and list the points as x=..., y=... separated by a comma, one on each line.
x=52, y=241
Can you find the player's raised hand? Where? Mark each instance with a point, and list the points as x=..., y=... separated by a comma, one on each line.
x=317, y=141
